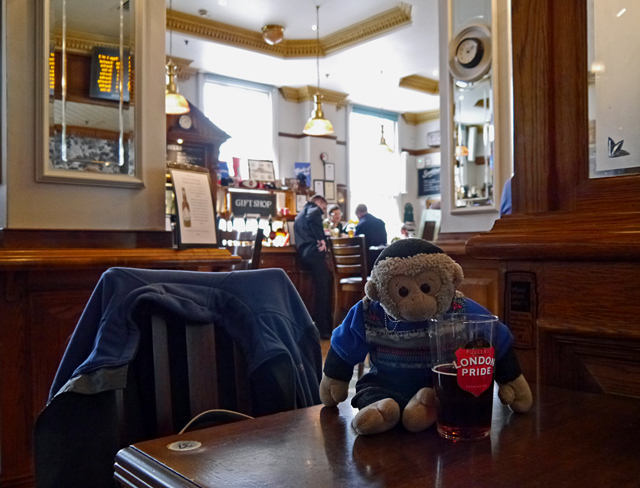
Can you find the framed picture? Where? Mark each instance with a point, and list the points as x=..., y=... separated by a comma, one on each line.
x=329, y=171
x=301, y=201
x=330, y=191
x=260, y=170
x=318, y=187
x=433, y=139
x=195, y=212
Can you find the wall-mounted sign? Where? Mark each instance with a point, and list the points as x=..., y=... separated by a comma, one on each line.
x=263, y=204
x=106, y=74
x=429, y=181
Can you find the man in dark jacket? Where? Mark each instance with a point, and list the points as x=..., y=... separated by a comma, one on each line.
x=374, y=231
x=312, y=251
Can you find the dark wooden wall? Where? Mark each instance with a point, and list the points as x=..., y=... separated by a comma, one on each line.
x=576, y=238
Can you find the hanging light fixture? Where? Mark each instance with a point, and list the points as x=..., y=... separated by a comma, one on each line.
x=317, y=125
x=383, y=144
x=174, y=103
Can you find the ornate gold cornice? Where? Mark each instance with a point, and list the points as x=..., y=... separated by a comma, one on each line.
x=183, y=70
x=420, y=83
x=83, y=42
x=413, y=118
x=306, y=93
x=214, y=31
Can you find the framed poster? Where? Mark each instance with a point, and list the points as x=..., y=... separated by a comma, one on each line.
x=433, y=139
x=301, y=201
x=260, y=170
x=302, y=172
x=318, y=187
x=329, y=171
x=330, y=191
x=196, y=220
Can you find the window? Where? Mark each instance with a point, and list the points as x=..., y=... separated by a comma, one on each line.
x=243, y=110
x=375, y=174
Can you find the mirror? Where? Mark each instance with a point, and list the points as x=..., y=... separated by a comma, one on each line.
x=88, y=98
x=614, y=114
x=473, y=140
x=471, y=65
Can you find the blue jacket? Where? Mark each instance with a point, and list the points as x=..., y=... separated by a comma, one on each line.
x=260, y=309
x=373, y=229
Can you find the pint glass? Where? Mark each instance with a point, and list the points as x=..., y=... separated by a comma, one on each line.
x=463, y=360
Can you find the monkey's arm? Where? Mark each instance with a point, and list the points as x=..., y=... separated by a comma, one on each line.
x=348, y=348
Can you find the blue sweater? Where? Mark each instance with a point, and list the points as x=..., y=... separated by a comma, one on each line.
x=399, y=351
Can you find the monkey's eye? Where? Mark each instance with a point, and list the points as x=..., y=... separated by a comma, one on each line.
x=403, y=291
x=425, y=288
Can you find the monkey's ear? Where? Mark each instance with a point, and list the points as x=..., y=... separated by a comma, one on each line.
x=372, y=291
x=458, y=276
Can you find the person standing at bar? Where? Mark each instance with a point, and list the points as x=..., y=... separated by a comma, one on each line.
x=312, y=250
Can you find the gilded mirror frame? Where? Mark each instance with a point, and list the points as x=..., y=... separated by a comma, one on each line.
x=44, y=171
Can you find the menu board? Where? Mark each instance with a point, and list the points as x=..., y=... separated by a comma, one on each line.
x=105, y=74
x=429, y=181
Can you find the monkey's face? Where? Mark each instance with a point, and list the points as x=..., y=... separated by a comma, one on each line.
x=416, y=297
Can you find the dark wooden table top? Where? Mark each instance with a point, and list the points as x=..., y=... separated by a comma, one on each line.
x=568, y=439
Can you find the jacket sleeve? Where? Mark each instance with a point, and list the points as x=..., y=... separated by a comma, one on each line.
x=348, y=346
x=315, y=223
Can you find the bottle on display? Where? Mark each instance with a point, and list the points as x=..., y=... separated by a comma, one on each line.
x=185, y=210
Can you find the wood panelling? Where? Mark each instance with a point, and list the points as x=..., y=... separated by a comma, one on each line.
x=578, y=236
x=42, y=294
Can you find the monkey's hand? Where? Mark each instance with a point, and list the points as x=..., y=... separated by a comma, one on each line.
x=333, y=391
x=516, y=394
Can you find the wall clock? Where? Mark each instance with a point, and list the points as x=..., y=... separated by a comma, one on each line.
x=324, y=157
x=470, y=53
x=185, y=122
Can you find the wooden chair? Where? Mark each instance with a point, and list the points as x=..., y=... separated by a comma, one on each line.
x=205, y=372
x=244, y=244
x=349, y=260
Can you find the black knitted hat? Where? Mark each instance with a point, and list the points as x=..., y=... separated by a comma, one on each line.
x=404, y=248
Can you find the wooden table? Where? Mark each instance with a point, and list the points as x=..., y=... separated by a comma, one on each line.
x=568, y=439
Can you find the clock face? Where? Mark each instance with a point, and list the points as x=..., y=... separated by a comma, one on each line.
x=469, y=52
x=185, y=122
x=324, y=157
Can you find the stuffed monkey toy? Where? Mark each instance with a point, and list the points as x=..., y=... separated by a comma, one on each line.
x=412, y=281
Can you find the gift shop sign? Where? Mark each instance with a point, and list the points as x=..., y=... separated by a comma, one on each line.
x=475, y=369
x=263, y=204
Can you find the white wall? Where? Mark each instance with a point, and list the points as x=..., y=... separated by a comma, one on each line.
x=38, y=205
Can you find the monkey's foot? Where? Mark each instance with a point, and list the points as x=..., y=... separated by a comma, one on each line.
x=420, y=412
x=378, y=417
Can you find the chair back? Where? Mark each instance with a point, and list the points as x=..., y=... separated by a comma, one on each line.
x=349, y=257
x=350, y=271
x=194, y=377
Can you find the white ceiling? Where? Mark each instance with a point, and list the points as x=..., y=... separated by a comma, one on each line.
x=368, y=72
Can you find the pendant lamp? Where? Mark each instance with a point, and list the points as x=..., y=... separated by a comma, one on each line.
x=383, y=144
x=317, y=125
x=174, y=103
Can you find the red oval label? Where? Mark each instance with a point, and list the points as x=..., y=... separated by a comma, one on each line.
x=475, y=369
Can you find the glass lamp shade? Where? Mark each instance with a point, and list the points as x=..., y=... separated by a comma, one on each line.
x=174, y=103
x=317, y=125
x=272, y=34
